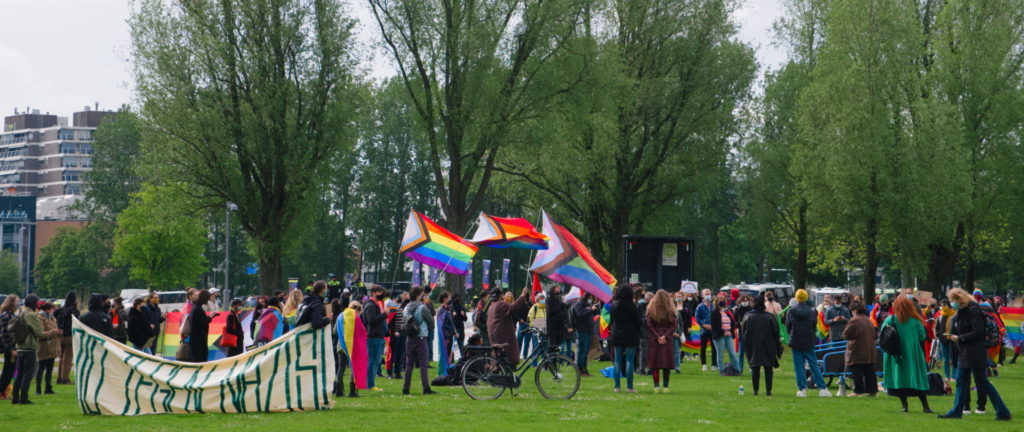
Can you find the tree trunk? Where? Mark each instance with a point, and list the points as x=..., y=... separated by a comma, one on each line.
x=942, y=262
x=970, y=265
x=270, y=273
x=800, y=269
x=870, y=260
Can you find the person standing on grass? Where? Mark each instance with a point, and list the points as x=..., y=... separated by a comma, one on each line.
x=684, y=318
x=723, y=332
x=155, y=317
x=760, y=335
x=65, y=315
x=8, y=311
x=906, y=374
x=233, y=326
x=703, y=315
x=27, y=345
x=97, y=318
x=49, y=347
x=626, y=326
x=836, y=317
x=801, y=320
x=416, y=344
x=139, y=330
x=661, y=325
x=968, y=335
x=744, y=305
x=502, y=316
x=859, y=335
x=446, y=325
x=198, y=344
x=770, y=305
x=943, y=329
x=376, y=323
x=583, y=313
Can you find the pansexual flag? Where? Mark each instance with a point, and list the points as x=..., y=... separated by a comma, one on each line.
x=430, y=244
x=1013, y=317
x=501, y=232
x=566, y=260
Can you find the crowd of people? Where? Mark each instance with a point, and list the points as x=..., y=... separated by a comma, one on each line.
x=645, y=334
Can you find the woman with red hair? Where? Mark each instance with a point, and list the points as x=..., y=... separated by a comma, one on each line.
x=906, y=374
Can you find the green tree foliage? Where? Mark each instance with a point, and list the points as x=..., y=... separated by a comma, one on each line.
x=11, y=279
x=654, y=114
x=167, y=254
x=75, y=260
x=247, y=102
x=114, y=176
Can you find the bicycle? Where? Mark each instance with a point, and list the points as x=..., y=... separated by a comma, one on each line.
x=488, y=376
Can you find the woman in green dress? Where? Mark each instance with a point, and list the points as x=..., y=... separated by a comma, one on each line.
x=906, y=374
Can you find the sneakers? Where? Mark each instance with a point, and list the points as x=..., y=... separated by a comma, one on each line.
x=824, y=393
x=665, y=390
x=801, y=393
x=979, y=411
x=377, y=389
x=967, y=411
x=714, y=368
x=704, y=368
x=617, y=390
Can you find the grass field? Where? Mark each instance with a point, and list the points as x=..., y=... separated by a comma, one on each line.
x=699, y=401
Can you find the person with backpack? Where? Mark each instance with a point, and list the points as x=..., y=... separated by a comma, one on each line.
x=972, y=333
x=906, y=374
x=417, y=327
x=7, y=345
x=27, y=332
x=65, y=315
x=271, y=325
x=801, y=321
x=376, y=323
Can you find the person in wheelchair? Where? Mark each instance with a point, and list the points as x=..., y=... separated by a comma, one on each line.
x=474, y=348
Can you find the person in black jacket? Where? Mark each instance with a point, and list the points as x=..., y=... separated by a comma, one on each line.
x=139, y=330
x=233, y=326
x=760, y=335
x=626, y=326
x=376, y=323
x=802, y=322
x=968, y=334
x=197, y=339
x=684, y=319
x=155, y=317
x=557, y=319
x=97, y=318
x=65, y=315
x=583, y=313
x=460, y=317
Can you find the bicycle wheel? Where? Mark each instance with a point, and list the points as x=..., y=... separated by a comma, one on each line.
x=557, y=377
x=484, y=378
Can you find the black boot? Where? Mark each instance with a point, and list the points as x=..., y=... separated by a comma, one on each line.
x=903, y=401
x=924, y=404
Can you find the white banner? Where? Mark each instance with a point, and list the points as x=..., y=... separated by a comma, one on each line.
x=293, y=373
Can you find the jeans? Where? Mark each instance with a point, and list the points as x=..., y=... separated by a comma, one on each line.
x=44, y=370
x=522, y=337
x=624, y=357
x=397, y=356
x=677, y=353
x=374, y=351
x=705, y=341
x=430, y=347
x=144, y=349
x=963, y=392
x=8, y=372
x=801, y=357
x=26, y=370
x=582, y=349
x=946, y=352
x=724, y=346
x=416, y=352
x=740, y=356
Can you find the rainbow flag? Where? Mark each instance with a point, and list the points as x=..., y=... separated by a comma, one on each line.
x=352, y=343
x=822, y=327
x=692, y=344
x=501, y=232
x=605, y=321
x=1013, y=317
x=430, y=244
x=568, y=261
x=172, y=335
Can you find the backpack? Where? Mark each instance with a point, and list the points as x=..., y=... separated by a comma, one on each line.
x=19, y=328
x=889, y=339
x=993, y=338
x=409, y=326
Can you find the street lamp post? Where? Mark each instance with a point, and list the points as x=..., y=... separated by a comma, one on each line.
x=24, y=258
x=226, y=303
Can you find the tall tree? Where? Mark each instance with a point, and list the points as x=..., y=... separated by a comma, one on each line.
x=245, y=102
x=654, y=113
x=74, y=260
x=114, y=176
x=167, y=253
x=11, y=279
x=471, y=70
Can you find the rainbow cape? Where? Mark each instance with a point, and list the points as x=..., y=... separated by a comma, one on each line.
x=501, y=232
x=430, y=244
x=692, y=343
x=605, y=321
x=566, y=260
x=822, y=327
x=1013, y=317
x=352, y=343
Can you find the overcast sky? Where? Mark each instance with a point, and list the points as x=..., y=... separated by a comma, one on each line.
x=61, y=55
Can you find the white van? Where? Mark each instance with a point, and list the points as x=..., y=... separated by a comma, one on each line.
x=169, y=300
x=782, y=292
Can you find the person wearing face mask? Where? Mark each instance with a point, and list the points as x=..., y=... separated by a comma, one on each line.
x=802, y=324
x=684, y=318
x=558, y=316
x=537, y=317
x=376, y=323
x=744, y=305
x=583, y=313
x=882, y=310
x=690, y=302
x=836, y=316
x=703, y=315
x=770, y=305
x=947, y=349
x=723, y=332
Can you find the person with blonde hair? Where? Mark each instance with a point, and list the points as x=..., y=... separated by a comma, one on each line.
x=968, y=334
x=906, y=374
x=291, y=306
x=661, y=324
